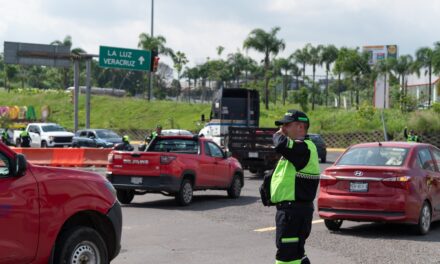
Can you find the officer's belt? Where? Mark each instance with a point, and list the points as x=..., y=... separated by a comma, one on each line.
x=292, y=204
x=307, y=176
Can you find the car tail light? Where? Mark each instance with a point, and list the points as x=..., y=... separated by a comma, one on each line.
x=401, y=182
x=166, y=159
x=326, y=180
x=110, y=159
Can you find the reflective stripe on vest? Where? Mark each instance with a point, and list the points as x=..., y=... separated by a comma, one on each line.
x=412, y=138
x=282, y=185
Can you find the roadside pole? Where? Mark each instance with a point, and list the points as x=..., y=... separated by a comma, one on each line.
x=88, y=88
x=76, y=93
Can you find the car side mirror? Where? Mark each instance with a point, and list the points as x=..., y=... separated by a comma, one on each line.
x=228, y=154
x=19, y=166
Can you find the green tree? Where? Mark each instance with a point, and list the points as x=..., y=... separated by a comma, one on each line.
x=237, y=61
x=284, y=64
x=302, y=57
x=269, y=44
x=424, y=58
x=402, y=66
x=314, y=60
x=220, y=50
x=329, y=55
x=179, y=60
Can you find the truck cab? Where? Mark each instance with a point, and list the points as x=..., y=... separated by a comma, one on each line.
x=47, y=135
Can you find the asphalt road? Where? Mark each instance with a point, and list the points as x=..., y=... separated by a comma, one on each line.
x=215, y=229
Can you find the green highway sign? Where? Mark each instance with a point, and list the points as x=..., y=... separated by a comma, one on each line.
x=129, y=59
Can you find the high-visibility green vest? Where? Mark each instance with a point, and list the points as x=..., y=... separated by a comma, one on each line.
x=283, y=184
x=412, y=138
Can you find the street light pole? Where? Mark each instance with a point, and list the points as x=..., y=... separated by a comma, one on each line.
x=150, y=76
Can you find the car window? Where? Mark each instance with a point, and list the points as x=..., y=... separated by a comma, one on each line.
x=425, y=159
x=52, y=128
x=215, y=151
x=33, y=129
x=107, y=134
x=187, y=146
x=83, y=134
x=436, y=154
x=374, y=156
x=4, y=166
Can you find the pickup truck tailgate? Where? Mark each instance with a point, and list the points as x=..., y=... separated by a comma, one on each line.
x=135, y=164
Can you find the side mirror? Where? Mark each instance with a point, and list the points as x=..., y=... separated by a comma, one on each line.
x=20, y=165
x=228, y=154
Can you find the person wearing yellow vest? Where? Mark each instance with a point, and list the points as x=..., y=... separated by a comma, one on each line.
x=411, y=137
x=293, y=187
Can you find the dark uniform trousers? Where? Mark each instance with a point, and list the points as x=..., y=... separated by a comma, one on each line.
x=293, y=227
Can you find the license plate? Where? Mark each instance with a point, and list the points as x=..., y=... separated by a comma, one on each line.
x=358, y=186
x=136, y=180
x=253, y=154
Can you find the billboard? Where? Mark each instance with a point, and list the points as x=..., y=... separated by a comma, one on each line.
x=380, y=52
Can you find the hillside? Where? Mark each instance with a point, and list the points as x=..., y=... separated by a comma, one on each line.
x=135, y=113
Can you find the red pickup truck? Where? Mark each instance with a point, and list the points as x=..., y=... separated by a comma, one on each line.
x=174, y=166
x=54, y=215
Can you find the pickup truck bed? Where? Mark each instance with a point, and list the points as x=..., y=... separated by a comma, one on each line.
x=174, y=166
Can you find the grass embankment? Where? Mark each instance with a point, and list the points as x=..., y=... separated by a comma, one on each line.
x=135, y=113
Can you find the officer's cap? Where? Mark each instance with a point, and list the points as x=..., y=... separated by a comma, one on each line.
x=293, y=116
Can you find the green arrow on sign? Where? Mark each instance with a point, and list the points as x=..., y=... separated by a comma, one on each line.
x=120, y=58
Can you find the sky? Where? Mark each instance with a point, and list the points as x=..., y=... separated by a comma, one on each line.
x=198, y=27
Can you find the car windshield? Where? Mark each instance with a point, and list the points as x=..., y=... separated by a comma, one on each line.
x=176, y=132
x=175, y=145
x=374, y=156
x=52, y=128
x=107, y=134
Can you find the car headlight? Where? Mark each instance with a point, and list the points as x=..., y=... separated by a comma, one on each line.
x=51, y=138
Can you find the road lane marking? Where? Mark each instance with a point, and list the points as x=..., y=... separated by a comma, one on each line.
x=272, y=228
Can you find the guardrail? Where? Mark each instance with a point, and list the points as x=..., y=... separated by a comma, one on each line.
x=66, y=157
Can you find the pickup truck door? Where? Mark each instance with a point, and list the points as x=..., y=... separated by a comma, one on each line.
x=35, y=134
x=19, y=215
x=219, y=166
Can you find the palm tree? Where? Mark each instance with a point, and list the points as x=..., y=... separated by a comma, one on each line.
x=237, y=61
x=314, y=60
x=269, y=44
x=67, y=41
x=424, y=58
x=179, y=60
x=220, y=50
x=285, y=65
x=302, y=56
x=402, y=67
x=328, y=56
x=154, y=43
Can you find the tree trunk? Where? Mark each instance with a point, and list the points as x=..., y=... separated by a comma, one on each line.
x=430, y=85
x=266, y=77
x=313, y=88
x=326, y=88
x=339, y=90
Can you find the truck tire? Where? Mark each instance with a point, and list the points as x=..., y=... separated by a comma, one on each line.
x=125, y=196
x=234, y=190
x=323, y=159
x=253, y=171
x=43, y=144
x=185, y=195
x=80, y=244
x=17, y=143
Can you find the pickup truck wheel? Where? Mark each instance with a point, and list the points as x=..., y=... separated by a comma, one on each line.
x=80, y=245
x=125, y=196
x=43, y=144
x=185, y=195
x=234, y=190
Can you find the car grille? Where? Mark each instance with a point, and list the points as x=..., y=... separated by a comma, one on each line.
x=62, y=139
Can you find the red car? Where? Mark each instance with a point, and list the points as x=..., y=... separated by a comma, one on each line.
x=175, y=166
x=54, y=215
x=382, y=182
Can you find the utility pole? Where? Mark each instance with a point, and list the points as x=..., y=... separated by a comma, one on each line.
x=150, y=75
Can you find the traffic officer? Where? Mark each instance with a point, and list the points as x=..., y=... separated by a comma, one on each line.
x=411, y=137
x=5, y=136
x=156, y=133
x=293, y=186
x=25, y=139
x=125, y=145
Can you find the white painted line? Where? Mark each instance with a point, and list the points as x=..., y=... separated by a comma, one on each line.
x=272, y=228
